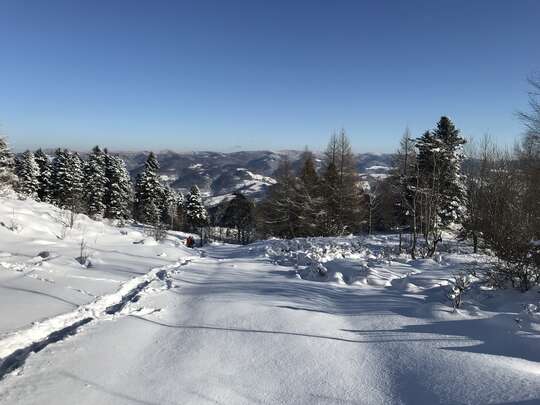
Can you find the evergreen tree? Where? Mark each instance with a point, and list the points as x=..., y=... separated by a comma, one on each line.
x=45, y=174
x=440, y=183
x=195, y=212
x=148, y=193
x=452, y=179
x=179, y=220
x=28, y=174
x=95, y=183
x=58, y=174
x=169, y=206
x=67, y=180
x=119, y=190
x=7, y=165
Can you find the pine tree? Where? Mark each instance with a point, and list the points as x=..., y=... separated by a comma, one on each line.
x=7, y=165
x=148, y=193
x=119, y=190
x=95, y=183
x=195, y=212
x=45, y=174
x=28, y=174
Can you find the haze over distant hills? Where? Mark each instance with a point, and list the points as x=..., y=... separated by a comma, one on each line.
x=218, y=175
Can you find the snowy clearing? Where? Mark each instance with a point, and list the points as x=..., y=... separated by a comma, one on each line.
x=307, y=321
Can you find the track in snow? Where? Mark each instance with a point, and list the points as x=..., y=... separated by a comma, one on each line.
x=15, y=360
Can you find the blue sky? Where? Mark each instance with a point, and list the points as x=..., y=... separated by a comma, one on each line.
x=229, y=75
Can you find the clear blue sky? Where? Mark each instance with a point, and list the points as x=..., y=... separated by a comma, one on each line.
x=229, y=75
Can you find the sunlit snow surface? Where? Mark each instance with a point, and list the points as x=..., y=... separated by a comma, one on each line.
x=309, y=321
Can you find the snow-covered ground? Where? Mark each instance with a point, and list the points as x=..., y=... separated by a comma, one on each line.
x=308, y=321
x=41, y=274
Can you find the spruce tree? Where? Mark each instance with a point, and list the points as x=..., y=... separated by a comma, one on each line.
x=440, y=182
x=95, y=183
x=59, y=172
x=119, y=190
x=179, y=220
x=195, y=212
x=45, y=174
x=28, y=175
x=148, y=193
x=7, y=165
x=452, y=179
x=67, y=180
x=168, y=205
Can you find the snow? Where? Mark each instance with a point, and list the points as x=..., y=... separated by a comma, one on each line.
x=379, y=176
x=306, y=321
x=377, y=167
x=33, y=288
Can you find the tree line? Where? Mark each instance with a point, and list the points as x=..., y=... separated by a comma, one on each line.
x=101, y=187
x=438, y=183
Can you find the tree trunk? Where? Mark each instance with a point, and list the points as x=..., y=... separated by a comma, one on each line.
x=433, y=247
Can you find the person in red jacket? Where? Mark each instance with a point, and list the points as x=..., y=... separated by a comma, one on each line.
x=190, y=242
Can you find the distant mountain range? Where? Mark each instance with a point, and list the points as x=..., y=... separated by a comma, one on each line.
x=218, y=175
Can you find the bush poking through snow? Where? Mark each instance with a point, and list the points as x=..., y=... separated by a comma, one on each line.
x=83, y=254
x=459, y=285
x=13, y=224
x=66, y=219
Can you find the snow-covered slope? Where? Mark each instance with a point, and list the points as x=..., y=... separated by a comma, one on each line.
x=42, y=273
x=307, y=321
x=242, y=180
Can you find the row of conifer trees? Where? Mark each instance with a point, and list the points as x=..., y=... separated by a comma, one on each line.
x=101, y=187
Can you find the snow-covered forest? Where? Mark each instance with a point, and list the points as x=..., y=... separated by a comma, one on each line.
x=269, y=202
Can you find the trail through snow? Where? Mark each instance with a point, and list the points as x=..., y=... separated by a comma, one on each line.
x=237, y=328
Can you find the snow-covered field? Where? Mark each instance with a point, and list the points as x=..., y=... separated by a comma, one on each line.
x=317, y=321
